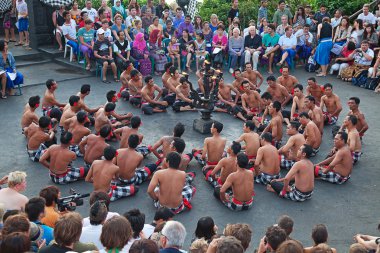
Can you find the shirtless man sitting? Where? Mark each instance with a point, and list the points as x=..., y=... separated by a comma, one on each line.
x=332, y=103
x=102, y=119
x=165, y=142
x=302, y=172
x=218, y=175
x=314, y=89
x=165, y=77
x=69, y=112
x=39, y=138
x=353, y=140
x=288, y=81
x=266, y=167
x=11, y=197
x=237, y=83
x=92, y=146
x=50, y=106
x=171, y=85
x=58, y=159
x=168, y=187
x=213, y=148
x=123, y=118
x=29, y=116
x=151, y=103
x=241, y=182
x=336, y=169
x=252, y=75
x=288, y=153
x=125, y=132
x=183, y=100
x=125, y=77
x=76, y=126
x=84, y=92
x=103, y=171
x=135, y=85
x=361, y=126
x=315, y=113
x=278, y=92
x=251, y=140
x=298, y=104
x=262, y=120
x=311, y=132
x=275, y=125
x=251, y=101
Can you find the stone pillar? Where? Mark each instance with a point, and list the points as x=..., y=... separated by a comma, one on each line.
x=40, y=24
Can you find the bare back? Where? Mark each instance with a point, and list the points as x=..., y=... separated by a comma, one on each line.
x=128, y=160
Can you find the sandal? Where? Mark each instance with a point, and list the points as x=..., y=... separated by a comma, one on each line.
x=88, y=67
x=321, y=75
x=106, y=81
x=116, y=79
x=18, y=44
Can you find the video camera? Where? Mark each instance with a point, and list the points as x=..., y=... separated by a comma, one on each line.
x=70, y=203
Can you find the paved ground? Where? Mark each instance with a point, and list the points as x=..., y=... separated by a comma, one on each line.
x=346, y=209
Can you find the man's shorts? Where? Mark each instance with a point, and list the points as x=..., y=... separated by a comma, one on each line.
x=264, y=178
x=71, y=175
x=23, y=24
x=277, y=144
x=286, y=164
x=188, y=192
x=141, y=175
x=233, y=203
x=294, y=194
x=102, y=61
x=75, y=149
x=329, y=119
x=35, y=155
x=117, y=192
x=356, y=156
x=330, y=176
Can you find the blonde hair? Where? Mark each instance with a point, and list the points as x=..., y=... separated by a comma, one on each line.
x=199, y=246
x=118, y=16
x=15, y=178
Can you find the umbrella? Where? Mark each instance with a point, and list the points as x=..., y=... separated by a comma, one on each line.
x=5, y=5
x=57, y=3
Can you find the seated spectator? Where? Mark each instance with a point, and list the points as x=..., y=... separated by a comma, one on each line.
x=137, y=29
x=173, y=50
x=185, y=25
x=156, y=26
x=69, y=31
x=163, y=18
x=147, y=19
x=15, y=243
x=236, y=50
x=102, y=197
x=226, y=244
x=174, y=237
x=235, y=24
x=337, y=19
x=200, y=49
x=169, y=30
x=357, y=248
x=11, y=197
x=122, y=51
x=290, y=246
x=198, y=25
x=162, y=215
x=252, y=46
x=116, y=233
x=130, y=21
x=15, y=222
x=137, y=220
x=287, y=43
x=103, y=55
x=106, y=29
x=280, y=30
x=101, y=20
x=321, y=248
x=140, y=52
x=367, y=16
x=357, y=32
x=178, y=18
x=35, y=209
x=270, y=46
x=240, y=231
x=206, y=229
x=343, y=61
x=263, y=27
x=219, y=44
x=156, y=50
x=208, y=34
x=281, y=11
x=362, y=57
x=50, y=194
x=107, y=12
x=304, y=43
x=9, y=76
x=319, y=235
x=371, y=35
x=299, y=18
x=144, y=245
x=375, y=70
x=118, y=8
x=134, y=4
x=198, y=246
x=343, y=31
x=2, y=212
x=118, y=26
x=187, y=47
x=286, y=223
x=149, y=5
x=86, y=41
x=273, y=238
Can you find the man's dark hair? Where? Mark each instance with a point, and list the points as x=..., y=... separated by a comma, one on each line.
x=167, y=66
x=10, y=213
x=65, y=13
x=110, y=95
x=275, y=236
x=312, y=79
x=244, y=82
x=182, y=80
x=218, y=126
x=135, y=122
x=266, y=95
x=188, y=16
x=105, y=131
x=356, y=100
x=109, y=153
x=137, y=220
x=295, y=124
x=353, y=119
x=311, y=98
x=304, y=115
x=179, y=129
x=328, y=85
x=134, y=73
x=319, y=234
x=299, y=86
x=235, y=147
x=267, y=137
x=44, y=121
x=49, y=83
x=50, y=194
x=172, y=70
x=179, y=144
x=174, y=160
x=308, y=150
x=286, y=223
x=133, y=141
x=81, y=116
x=101, y=12
x=163, y=213
x=148, y=78
x=85, y=88
x=271, y=78
x=237, y=70
x=343, y=136
x=110, y=107
x=100, y=196
x=98, y=213
x=250, y=125
x=74, y=99
x=242, y=160
x=33, y=101
x=34, y=208
x=66, y=137
x=277, y=105
x=271, y=26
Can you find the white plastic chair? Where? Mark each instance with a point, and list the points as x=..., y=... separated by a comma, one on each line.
x=71, y=51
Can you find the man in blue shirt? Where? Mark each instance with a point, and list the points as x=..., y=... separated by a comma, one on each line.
x=178, y=19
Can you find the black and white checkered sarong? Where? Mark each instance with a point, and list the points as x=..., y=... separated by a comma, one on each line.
x=71, y=175
x=286, y=164
x=331, y=176
x=117, y=192
x=264, y=178
x=5, y=5
x=57, y=3
x=75, y=149
x=296, y=195
x=356, y=156
x=35, y=155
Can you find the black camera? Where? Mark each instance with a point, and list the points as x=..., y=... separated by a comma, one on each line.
x=69, y=203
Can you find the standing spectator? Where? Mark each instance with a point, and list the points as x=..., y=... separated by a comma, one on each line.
x=270, y=45
x=281, y=11
x=51, y=195
x=198, y=25
x=58, y=21
x=322, y=54
x=107, y=12
x=343, y=31
x=252, y=46
x=23, y=24
x=86, y=39
x=116, y=233
x=118, y=8
x=178, y=19
x=214, y=22
x=299, y=17
x=103, y=55
x=9, y=23
x=335, y=21
x=288, y=43
x=206, y=229
x=130, y=21
x=234, y=11
x=75, y=12
x=263, y=11
x=322, y=13
x=91, y=12
x=11, y=196
x=122, y=51
x=160, y=8
x=357, y=32
x=174, y=237
x=149, y=5
x=367, y=16
x=186, y=25
x=280, y=30
x=70, y=32
x=371, y=35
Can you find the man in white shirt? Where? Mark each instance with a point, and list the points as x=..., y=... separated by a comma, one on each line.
x=91, y=12
x=287, y=43
x=70, y=32
x=132, y=17
x=362, y=55
x=367, y=16
x=11, y=196
x=335, y=21
x=304, y=42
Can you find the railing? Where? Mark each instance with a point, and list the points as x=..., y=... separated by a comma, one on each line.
x=374, y=3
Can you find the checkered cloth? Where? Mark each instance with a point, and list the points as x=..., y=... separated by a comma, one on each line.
x=57, y=3
x=144, y=150
x=190, y=177
x=197, y=154
x=356, y=156
x=236, y=205
x=329, y=119
x=330, y=176
x=71, y=175
x=5, y=5
x=46, y=110
x=315, y=152
x=188, y=192
x=141, y=175
x=277, y=144
x=75, y=149
x=117, y=192
x=35, y=155
x=296, y=195
x=214, y=181
x=264, y=178
x=286, y=164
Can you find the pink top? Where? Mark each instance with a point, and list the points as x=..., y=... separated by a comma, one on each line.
x=216, y=40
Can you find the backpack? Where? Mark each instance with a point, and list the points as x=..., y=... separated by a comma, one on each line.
x=371, y=83
x=311, y=65
x=361, y=79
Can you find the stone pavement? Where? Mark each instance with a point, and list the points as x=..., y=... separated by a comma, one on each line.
x=346, y=210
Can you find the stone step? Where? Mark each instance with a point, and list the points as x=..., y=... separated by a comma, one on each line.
x=28, y=63
x=51, y=51
x=74, y=65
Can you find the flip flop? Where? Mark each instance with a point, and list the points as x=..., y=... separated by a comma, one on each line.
x=106, y=81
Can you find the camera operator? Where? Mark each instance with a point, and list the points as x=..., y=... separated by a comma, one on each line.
x=51, y=195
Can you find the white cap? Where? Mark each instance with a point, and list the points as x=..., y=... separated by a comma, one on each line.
x=100, y=31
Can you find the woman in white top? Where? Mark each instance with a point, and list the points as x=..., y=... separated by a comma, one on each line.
x=357, y=32
x=343, y=32
x=116, y=233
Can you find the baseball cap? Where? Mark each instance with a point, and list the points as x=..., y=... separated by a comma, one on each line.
x=100, y=31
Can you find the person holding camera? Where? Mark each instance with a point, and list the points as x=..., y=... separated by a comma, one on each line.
x=51, y=195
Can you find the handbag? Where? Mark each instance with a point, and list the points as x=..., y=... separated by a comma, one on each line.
x=337, y=49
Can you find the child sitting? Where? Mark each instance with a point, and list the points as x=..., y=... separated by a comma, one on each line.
x=173, y=49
